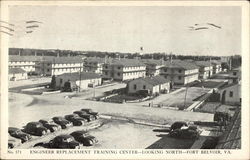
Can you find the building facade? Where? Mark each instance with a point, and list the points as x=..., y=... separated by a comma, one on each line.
x=123, y=69
x=152, y=85
x=57, y=66
x=94, y=64
x=180, y=72
x=231, y=94
x=27, y=63
x=205, y=69
x=216, y=67
x=153, y=67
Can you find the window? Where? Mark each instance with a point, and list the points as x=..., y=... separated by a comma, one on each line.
x=179, y=70
x=231, y=94
x=234, y=73
x=179, y=77
x=144, y=86
x=118, y=74
x=134, y=86
x=118, y=67
x=165, y=70
x=106, y=67
x=61, y=81
x=106, y=73
x=48, y=70
x=48, y=64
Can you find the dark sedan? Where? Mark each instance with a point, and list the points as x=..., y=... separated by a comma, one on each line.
x=50, y=124
x=85, y=115
x=90, y=111
x=64, y=142
x=17, y=133
x=188, y=133
x=62, y=122
x=84, y=138
x=75, y=119
x=36, y=129
x=178, y=125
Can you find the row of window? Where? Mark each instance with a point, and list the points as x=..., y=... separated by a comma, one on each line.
x=135, y=87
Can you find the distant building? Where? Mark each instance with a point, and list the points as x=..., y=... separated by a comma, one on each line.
x=153, y=66
x=231, y=94
x=180, y=72
x=94, y=64
x=56, y=66
x=205, y=69
x=123, y=69
x=27, y=63
x=76, y=80
x=216, y=66
x=17, y=74
x=236, y=72
x=153, y=85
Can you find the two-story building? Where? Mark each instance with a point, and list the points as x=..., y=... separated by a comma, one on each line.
x=216, y=66
x=27, y=63
x=123, y=69
x=180, y=72
x=153, y=85
x=205, y=69
x=17, y=74
x=153, y=66
x=56, y=66
x=94, y=64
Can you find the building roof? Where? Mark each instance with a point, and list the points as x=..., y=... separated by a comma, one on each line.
x=231, y=138
x=203, y=63
x=181, y=64
x=228, y=85
x=216, y=62
x=76, y=76
x=16, y=70
x=126, y=62
x=153, y=61
x=51, y=59
x=156, y=80
x=97, y=59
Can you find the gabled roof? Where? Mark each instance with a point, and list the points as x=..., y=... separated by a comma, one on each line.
x=153, y=61
x=181, y=64
x=229, y=85
x=216, y=62
x=16, y=70
x=203, y=63
x=76, y=76
x=156, y=80
x=126, y=62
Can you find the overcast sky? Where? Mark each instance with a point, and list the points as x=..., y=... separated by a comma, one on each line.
x=126, y=29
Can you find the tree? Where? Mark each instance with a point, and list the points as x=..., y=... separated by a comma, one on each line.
x=53, y=82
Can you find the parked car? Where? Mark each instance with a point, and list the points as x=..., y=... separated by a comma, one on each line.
x=90, y=111
x=36, y=128
x=178, y=125
x=17, y=133
x=64, y=142
x=13, y=142
x=88, y=117
x=188, y=133
x=75, y=119
x=84, y=138
x=62, y=122
x=50, y=124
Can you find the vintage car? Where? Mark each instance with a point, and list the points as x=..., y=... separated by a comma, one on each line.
x=13, y=142
x=88, y=117
x=62, y=122
x=90, y=111
x=186, y=133
x=178, y=125
x=17, y=133
x=36, y=129
x=64, y=142
x=84, y=138
x=50, y=124
x=75, y=119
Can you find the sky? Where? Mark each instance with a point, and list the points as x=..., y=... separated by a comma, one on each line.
x=127, y=29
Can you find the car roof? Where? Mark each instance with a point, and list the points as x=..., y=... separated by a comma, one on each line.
x=70, y=115
x=58, y=117
x=64, y=136
x=34, y=123
x=13, y=129
x=79, y=132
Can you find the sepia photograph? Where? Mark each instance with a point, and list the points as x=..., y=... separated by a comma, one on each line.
x=131, y=79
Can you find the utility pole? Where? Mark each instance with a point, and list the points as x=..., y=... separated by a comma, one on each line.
x=185, y=97
x=80, y=78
